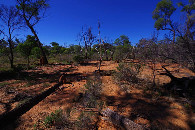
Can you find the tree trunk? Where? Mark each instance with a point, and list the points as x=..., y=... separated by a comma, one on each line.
x=11, y=58
x=38, y=41
x=28, y=62
x=173, y=36
x=86, y=57
x=154, y=75
x=106, y=55
x=100, y=56
x=11, y=62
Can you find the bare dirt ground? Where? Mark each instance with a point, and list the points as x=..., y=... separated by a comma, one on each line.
x=136, y=104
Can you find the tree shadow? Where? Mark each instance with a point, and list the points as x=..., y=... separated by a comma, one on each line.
x=88, y=64
x=36, y=76
x=104, y=72
x=156, y=112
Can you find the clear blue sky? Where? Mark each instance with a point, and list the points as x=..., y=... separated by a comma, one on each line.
x=65, y=19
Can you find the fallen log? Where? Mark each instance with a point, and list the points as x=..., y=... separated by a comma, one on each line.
x=182, y=85
x=8, y=117
x=120, y=120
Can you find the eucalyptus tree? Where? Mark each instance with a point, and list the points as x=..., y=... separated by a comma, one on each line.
x=32, y=11
x=162, y=14
x=10, y=22
x=123, y=48
x=189, y=10
x=122, y=40
x=187, y=33
x=26, y=48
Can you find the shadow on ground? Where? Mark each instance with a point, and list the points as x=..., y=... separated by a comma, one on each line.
x=156, y=112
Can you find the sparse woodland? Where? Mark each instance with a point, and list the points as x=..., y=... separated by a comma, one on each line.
x=97, y=83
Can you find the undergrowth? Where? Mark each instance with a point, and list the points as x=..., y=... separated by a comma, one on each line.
x=92, y=93
x=128, y=73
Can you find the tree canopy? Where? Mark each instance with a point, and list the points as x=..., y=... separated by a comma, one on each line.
x=122, y=40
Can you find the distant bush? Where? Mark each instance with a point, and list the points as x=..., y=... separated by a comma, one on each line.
x=122, y=52
x=78, y=58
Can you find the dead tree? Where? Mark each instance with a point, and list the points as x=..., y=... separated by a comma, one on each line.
x=11, y=22
x=86, y=36
x=100, y=45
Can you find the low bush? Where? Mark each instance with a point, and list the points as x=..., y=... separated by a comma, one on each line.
x=53, y=118
x=92, y=94
x=78, y=58
x=85, y=121
x=127, y=73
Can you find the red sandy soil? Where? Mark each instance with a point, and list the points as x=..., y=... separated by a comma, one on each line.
x=141, y=107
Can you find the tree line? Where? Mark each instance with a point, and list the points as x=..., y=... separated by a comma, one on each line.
x=179, y=47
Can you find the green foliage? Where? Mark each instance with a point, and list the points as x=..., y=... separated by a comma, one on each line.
x=84, y=120
x=36, y=52
x=122, y=40
x=4, y=50
x=76, y=49
x=122, y=52
x=127, y=73
x=78, y=58
x=32, y=8
x=56, y=49
x=92, y=94
x=26, y=47
x=190, y=24
x=162, y=14
x=159, y=24
x=187, y=8
x=53, y=118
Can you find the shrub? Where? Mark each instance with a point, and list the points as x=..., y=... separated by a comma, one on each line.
x=127, y=73
x=92, y=94
x=86, y=121
x=53, y=118
x=78, y=58
x=122, y=52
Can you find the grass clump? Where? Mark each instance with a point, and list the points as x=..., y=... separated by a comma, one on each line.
x=85, y=121
x=53, y=118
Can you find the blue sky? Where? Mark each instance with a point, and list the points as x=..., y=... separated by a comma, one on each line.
x=65, y=19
